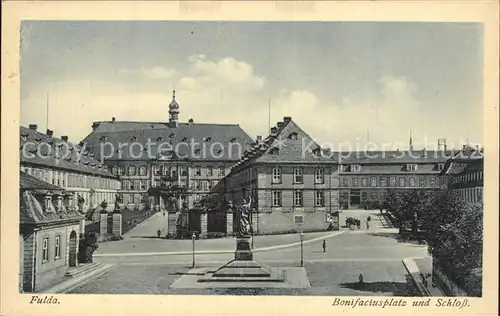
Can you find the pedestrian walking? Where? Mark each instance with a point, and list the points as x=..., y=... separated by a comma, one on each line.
x=324, y=245
x=367, y=225
x=158, y=233
x=360, y=278
x=163, y=213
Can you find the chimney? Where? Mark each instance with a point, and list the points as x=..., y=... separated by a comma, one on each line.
x=95, y=125
x=274, y=131
x=259, y=139
x=113, y=119
x=287, y=119
x=33, y=127
x=64, y=138
x=80, y=144
x=50, y=133
x=191, y=121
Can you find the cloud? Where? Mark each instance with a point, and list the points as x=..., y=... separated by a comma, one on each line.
x=227, y=72
x=158, y=72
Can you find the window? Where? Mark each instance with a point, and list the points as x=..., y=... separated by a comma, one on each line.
x=121, y=170
x=412, y=181
x=144, y=185
x=345, y=182
x=297, y=198
x=402, y=182
x=392, y=181
x=319, y=175
x=356, y=168
x=137, y=185
x=222, y=172
x=131, y=171
x=57, y=252
x=411, y=167
x=276, y=175
x=197, y=185
x=197, y=171
x=143, y=170
x=45, y=249
x=298, y=175
x=373, y=181
x=210, y=172
x=115, y=170
x=205, y=185
x=373, y=196
x=422, y=181
x=364, y=182
x=355, y=182
x=274, y=151
x=183, y=171
x=276, y=198
x=440, y=166
x=383, y=181
x=319, y=198
x=432, y=181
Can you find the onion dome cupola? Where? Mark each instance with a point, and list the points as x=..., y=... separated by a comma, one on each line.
x=173, y=111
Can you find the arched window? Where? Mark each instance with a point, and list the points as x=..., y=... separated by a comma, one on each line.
x=143, y=170
x=274, y=151
x=293, y=136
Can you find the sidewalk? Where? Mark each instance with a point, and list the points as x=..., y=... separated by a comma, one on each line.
x=418, y=266
x=71, y=283
x=219, y=246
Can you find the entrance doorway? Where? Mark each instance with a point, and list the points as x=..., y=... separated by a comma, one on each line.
x=72, y=249
x=355, y=197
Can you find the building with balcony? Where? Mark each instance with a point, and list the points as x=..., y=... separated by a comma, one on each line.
x=293, y=183
x=189, y=157
x=71, y=167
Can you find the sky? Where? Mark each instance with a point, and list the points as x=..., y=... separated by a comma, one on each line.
x=339, y=81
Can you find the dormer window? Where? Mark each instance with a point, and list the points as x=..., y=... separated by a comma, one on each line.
x=440, y=166
x=172, y=135
x=158, y=139
x=293, y=136
x=133, y=139
x=274, y=151
x=207, y=139
x=184, y=139
x=197, y=151
x=102, y=138
x=411, y=167
x=355, y=168
x=233, y=140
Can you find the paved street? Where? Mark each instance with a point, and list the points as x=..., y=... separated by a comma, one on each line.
x=376, y=254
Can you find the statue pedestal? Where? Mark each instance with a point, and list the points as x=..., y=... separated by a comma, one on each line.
x=243, y=249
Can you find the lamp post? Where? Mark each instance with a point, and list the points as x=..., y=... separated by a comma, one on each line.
x=301, y=249
x=193, y=238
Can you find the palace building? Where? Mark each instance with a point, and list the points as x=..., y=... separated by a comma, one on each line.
x=463, y=174
x=152, y=159
x=71, y=167
x=366, y=177
x=293, y=187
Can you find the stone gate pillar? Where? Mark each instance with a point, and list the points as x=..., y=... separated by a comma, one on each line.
x=117, y=224
x=171, y=224
x=204, y=225
x=229, y=223
x=103, y=226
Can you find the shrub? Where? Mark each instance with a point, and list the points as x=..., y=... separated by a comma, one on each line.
x=87, y=246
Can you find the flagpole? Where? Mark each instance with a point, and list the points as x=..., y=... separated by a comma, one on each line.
x=47, y=112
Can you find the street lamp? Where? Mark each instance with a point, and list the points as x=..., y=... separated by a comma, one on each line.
x=301, y=249
x=193, y=238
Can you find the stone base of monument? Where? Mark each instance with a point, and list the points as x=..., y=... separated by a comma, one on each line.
x=244, y=272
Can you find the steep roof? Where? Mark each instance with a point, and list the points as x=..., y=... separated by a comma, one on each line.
x=42, y=149
x=31, y=209
x=193, y=141
x=287, y=143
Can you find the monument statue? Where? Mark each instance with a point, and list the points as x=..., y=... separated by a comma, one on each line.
x=118, y=200
x=244, y=228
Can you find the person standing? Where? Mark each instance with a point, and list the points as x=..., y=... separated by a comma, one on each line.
x=158, y=233
x=324, y=245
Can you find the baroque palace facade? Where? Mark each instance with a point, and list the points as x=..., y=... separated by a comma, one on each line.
x=69, y=166
x=189, y=157
x=366, y=177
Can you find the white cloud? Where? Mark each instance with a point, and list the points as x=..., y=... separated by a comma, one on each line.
x=158, y=72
